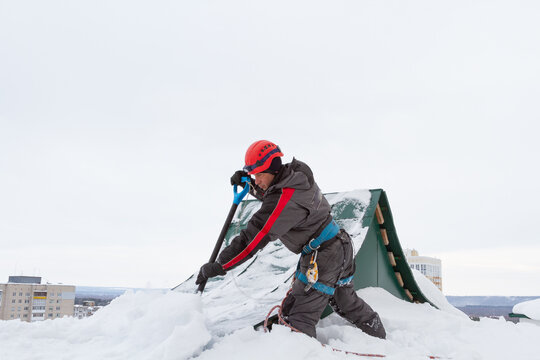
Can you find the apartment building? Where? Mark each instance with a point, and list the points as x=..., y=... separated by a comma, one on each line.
x=26, y=299
x=429, y=266
x=88, y=308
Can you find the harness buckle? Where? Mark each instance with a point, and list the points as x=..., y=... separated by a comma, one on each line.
x=312, y=273
x=311, y=247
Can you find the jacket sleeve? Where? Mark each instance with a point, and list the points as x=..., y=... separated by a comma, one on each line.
x=270, y=222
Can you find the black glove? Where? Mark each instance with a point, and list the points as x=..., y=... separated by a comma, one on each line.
x=236, y=179
x=209, y=270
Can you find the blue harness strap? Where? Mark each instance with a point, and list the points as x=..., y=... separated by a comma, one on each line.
x=328, y=233
x=325, y=289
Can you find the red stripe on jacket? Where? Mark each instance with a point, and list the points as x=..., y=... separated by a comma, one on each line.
x=283, y=200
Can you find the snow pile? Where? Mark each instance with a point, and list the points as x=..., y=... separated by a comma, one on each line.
x=154, y=325
x=142, y=325
x=531, y=309
x=433, y=294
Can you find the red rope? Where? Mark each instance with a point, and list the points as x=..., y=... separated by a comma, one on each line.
x=282, y=321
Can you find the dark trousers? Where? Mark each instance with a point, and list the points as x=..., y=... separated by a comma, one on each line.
x=335, y=261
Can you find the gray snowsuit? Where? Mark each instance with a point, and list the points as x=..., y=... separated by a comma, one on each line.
x=295, y=211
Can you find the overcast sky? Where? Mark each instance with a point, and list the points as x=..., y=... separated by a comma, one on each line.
x=122, y=121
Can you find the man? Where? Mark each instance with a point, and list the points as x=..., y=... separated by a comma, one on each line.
x=295, y=211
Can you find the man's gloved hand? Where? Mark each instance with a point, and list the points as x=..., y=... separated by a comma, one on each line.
x=236, y=179
x=209, y=270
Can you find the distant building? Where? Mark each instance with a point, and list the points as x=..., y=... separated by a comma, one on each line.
x=26, y=299
x=88, y=308
x=81, y=311
x=430, y=267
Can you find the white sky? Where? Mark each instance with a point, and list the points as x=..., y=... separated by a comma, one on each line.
x=122, y=121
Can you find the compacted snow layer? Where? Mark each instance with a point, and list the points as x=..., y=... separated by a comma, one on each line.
x=174, y=325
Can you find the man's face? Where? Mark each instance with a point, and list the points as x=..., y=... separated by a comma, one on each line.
x=263, y=180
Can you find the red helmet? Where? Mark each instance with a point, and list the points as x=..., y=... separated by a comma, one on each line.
x=259, y=156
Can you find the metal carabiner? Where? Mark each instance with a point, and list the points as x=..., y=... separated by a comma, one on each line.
x=312, y=273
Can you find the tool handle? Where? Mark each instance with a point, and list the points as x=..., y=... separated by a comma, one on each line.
x=238, y=196
x=219, y=242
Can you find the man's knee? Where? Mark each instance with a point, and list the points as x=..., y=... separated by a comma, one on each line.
x=302, y=326
x=302, y=310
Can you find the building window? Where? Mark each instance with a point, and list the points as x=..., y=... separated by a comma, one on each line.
x=39, y=302
x=58, y=308
x=20, y=294
x=49, y=315
x=26, y=308
x=13, y=301
x=20, y=301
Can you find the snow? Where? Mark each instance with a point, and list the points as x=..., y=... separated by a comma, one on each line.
x=360, y=199
x=142, y=325
x=174, y=325
x=433, y=294
x=530, y=309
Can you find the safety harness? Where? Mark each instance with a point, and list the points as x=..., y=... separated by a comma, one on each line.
x=310, y=278
x=328, y=233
